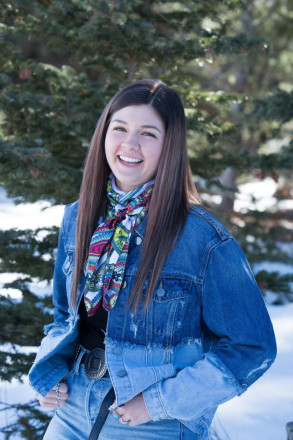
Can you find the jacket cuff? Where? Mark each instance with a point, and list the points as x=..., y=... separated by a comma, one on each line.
x=154, y=404
x=193, y=392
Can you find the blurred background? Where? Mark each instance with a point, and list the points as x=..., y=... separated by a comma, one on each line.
x=60, y=62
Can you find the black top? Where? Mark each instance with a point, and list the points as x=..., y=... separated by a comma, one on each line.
x=92, y=328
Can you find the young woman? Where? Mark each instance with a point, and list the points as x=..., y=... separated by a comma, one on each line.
x=152, y=295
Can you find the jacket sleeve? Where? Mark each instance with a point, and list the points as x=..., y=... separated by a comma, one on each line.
x=60, y=300
x=45, y=373
x=233, y=311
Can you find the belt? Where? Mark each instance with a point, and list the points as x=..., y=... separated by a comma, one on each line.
x=103, y=414
x=95, y=365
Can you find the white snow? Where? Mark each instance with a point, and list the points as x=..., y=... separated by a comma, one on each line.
x=256, y=195
x=262, y=412
x=28, y=215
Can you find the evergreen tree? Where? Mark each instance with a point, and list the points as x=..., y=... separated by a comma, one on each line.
x=60, y=64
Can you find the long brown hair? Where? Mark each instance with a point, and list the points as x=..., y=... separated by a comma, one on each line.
x=173, y=190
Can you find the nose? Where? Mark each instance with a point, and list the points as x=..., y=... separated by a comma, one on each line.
x=131, y=142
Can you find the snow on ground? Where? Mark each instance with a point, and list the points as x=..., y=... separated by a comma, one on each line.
x=259, y=195
x=261, y=413
x=28, y=215
x=261, y=200
x=11, y=393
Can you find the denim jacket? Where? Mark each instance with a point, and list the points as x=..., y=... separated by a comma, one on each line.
x=204, y=339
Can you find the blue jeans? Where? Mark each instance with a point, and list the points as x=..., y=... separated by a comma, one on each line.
x=74, y=420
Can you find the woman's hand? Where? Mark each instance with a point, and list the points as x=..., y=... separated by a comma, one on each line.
x=133, y=412
x=56, y=397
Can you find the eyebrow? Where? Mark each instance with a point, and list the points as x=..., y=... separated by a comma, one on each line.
x=143, y=126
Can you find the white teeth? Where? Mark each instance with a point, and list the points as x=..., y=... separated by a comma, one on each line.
x=129, y=159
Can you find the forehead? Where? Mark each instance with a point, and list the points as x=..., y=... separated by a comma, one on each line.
x=142, y=114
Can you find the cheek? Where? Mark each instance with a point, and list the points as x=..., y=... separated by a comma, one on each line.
x=156, y=158
x=109, y=147
x=112, y=141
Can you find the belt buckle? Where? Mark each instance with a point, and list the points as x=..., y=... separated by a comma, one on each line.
x=95, y=365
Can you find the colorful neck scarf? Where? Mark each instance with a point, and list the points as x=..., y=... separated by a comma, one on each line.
x=110, y=242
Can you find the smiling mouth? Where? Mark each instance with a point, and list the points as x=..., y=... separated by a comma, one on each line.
x=129, y=160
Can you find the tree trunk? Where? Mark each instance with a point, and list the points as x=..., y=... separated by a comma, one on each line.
x=228, y=178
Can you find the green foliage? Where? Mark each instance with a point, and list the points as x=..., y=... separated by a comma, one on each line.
x=211, y=161
x=19, y=325
x=29, y=252
x=277, y=106
x=51, y=100
x=275, y=282
x=17, y=329
x=258, y=237
x=15, y=365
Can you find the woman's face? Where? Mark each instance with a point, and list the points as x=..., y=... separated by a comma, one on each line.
x=133, y=145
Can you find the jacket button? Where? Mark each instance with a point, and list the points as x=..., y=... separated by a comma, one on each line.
x=121, y=373
x=160, y=291
x=124, y=285
x=117, y=350
x=138, y=241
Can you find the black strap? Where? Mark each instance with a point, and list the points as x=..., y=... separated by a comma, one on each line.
x=103, y=413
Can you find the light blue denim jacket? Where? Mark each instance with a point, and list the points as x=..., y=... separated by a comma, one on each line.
x=205, y=338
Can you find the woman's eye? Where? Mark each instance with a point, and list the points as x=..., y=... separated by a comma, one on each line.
x=119, y=128
x=148, y=133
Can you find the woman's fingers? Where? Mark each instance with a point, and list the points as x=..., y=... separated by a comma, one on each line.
x=56, y=397
x=51, y=405
x=52, y=398
x=63, y=387
x=52, y=402
x=133, y=412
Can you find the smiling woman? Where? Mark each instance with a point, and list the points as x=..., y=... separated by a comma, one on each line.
x=157, y=312
x=133, y=145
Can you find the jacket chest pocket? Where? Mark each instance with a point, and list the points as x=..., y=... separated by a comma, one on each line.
x=168, y=306
x=164, y=317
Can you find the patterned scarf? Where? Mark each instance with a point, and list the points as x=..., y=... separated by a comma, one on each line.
x=110, y=242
